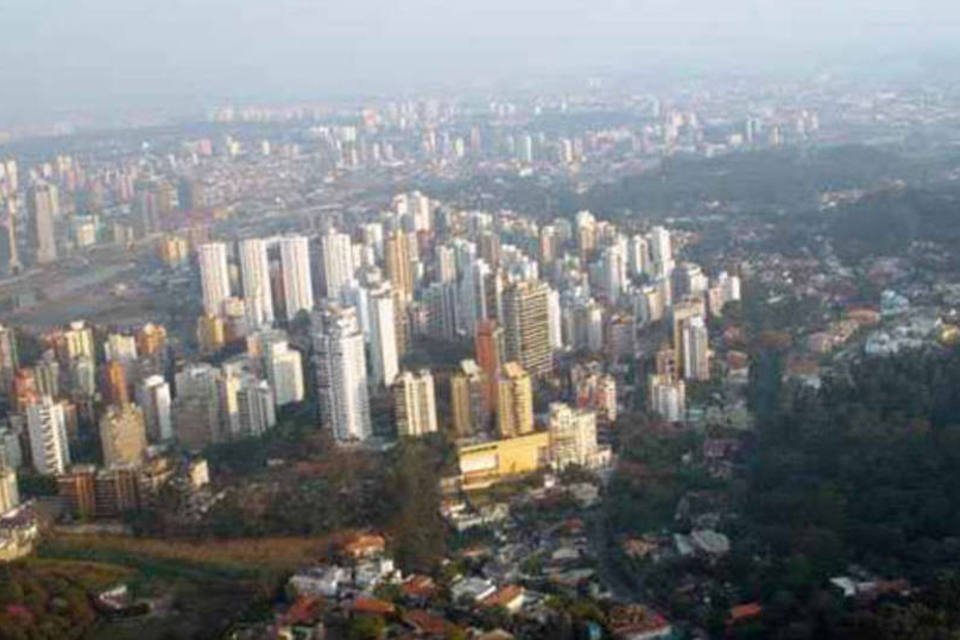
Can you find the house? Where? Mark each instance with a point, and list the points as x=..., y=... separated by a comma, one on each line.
x=365, y=545
x=320, y=581
x=510, y=597
x=744, y=613
x=418, y=588
x=425, y=623
x=636, y=622
x=371, y=573
x=474, y=588
x=371, y=607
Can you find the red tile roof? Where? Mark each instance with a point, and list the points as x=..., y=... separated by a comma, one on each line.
x=425, y=622
x=372, y=606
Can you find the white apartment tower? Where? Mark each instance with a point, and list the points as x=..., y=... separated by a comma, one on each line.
x=153, y=396
x=255, y=278
x=285, y=372
x=297, y=281
x=341, y=373
x=214, y=277
x=336, y=256
x=47, y=426
x=384, y=359
x=415, y=404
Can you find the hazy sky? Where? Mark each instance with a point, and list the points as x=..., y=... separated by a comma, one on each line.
x=59, y=55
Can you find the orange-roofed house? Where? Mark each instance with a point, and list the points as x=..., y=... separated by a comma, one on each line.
x=744, y=613
x=372, y=607
x=510, y=597
x=419, y=587
x=636, y=622
x=365, y=545
x=425, y=624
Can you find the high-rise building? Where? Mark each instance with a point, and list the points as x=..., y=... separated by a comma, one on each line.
x=285, y=372
x=667, y=397
x=336, y=265
x=46, y=373
x=586, y=229
x=573, y=436
x=526, y=324
x=297, y=280
x=384, y=359
x=47, y=426
x=255, y=407
x=151, y=340
x=398, y=262
x=214, y=276
x=468, y=388
x=442, y=313
x=123, y=435
x=115, y=383
x=197, y=413
x=9, y=252
x=514, y=401
x=9, y=492
x=153, y=397
x=255, y=277
x=43, y=207
x=490, y=248
x=120, y=348
x=211, y=333
x=661, y=253
x=9, y=358
x=341, y=369
x=415, y=403
x=75, y=342
x=682, y=311
x=446, y=264
x=687, y=279
x=490, y=347
x=696, y=349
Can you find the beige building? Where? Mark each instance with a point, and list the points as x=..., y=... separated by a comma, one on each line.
x=526, y=325
x=415, y=403
x=467, y=391
x=514, y=401
x=123, y=435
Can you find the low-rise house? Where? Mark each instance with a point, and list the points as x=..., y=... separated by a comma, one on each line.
x=474, y=588
x=320, y=581
x=636, y=622
x=510, y=597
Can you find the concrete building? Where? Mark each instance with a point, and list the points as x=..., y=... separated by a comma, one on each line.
x=197, y=413
x=336, y=265
x=255, y=280
x=526, y=324
x=667, y=397
x=486, y=463
x=47, y=427
x=415, y=403
x=153, y=397
x=696, y=349
x=514, y=401
x=43, y=209
x=9, y=492
x=123, y=435
x=9, y=358
x=573, y=438
x=341, y=368
x=384, y=356
x=284, y=368
x=214, y=276
x=296, y=275
x=255, y=407
x=468, y=388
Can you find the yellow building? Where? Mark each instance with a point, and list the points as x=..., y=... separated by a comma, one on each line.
x=210, y=333
x=514, y=401
x=486, y=463
x=173, y=251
